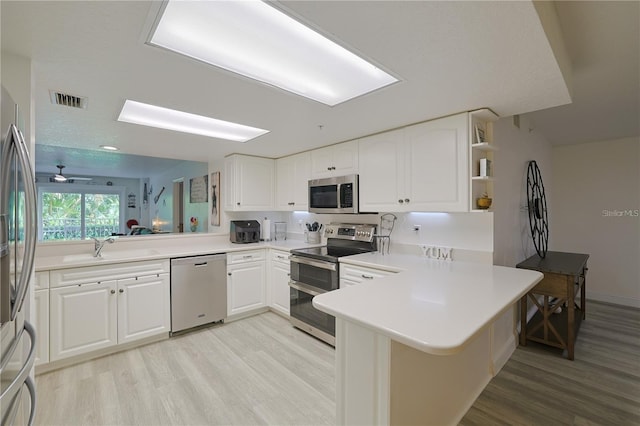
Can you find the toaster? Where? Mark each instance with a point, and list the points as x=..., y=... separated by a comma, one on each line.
x=244, y=231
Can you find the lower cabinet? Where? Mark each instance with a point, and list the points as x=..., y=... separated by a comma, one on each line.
x=90, y=316
x=42, y=326
x=143, y=307
x=279, y=283
x=246, y=282
x=83, y=319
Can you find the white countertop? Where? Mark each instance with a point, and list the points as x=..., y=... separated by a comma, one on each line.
x=433, y=306
x=159, y=249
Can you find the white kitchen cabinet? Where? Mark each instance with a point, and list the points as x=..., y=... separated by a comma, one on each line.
x=41, y=322
x=246, y=283
x=100, y=306
x=249, y=183
x=143, y=307
x=280, y=293
x=83, y=319
x=292, y=177
x=353, y=275
x=335, y=160
x=418, y=168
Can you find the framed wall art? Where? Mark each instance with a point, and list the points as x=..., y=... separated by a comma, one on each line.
x=215, y=199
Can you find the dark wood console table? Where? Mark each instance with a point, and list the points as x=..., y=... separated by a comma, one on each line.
x=564, y=275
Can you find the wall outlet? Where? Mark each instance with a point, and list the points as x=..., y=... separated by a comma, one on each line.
x=436, y=252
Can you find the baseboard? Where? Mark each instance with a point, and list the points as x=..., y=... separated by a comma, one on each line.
x=616, y=300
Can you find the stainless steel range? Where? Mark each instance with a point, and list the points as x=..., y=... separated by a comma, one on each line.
x=316, y=270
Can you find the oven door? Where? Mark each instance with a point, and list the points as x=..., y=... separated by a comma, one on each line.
x=307, y=318
x=316, y=274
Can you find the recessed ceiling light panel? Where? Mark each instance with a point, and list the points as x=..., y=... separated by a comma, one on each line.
x=258, y=41
x=170, y=119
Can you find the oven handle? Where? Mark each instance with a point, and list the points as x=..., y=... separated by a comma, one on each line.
x=301, y=287
x=317, y=263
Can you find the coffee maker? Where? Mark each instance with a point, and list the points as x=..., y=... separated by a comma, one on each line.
x=244, y=231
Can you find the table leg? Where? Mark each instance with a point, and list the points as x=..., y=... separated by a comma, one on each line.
x=523, y=320
x=583, y=301
x=571, y=320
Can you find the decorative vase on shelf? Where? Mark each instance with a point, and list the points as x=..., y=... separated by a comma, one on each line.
x=194, y=224
x=484, y=202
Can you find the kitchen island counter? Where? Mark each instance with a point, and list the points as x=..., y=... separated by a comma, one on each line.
x=415, y=347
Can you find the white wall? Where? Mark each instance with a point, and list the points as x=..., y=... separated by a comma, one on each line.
x=512, y=238
x=592, y=182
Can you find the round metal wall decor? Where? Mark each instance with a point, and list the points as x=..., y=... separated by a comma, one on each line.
x=537, y=206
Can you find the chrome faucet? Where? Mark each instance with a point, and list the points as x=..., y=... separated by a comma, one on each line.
x=98, y=245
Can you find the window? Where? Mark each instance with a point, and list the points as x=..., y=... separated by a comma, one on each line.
x=77, y=212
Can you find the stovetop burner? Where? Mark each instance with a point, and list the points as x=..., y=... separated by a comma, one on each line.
x=343, y=240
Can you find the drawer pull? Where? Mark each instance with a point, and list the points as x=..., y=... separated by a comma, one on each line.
x=367, y=277
x=113, y=292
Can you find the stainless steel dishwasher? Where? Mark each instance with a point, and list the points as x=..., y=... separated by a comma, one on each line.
x=198, y=291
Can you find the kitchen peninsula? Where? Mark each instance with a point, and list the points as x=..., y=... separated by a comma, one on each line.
x=416, y=347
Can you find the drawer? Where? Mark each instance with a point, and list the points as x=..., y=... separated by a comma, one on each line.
x=280, y=256
x=41, y=280
x=245, y=256
x=113, y=271
x=357, y=274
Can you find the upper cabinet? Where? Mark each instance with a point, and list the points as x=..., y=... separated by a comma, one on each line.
x=482, y=149
x=292, y=177
x=249, y=183
x=417, y=168
x=335, y=160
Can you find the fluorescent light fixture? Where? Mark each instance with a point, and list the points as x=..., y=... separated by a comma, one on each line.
x=170, y=119
x=109, y=148
x=258, y=41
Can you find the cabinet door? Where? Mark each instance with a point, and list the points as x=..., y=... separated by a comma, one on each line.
x=229, y=183
x=255, y=189
x=437, y=173
x=143, y=307
x=285, y=170
x=42, y=326
x=322, y=162
x=345, y=158
x=246, y=284
x=83, y=319
x=300, y=181
x=292, y=182
x=280, y=293
x=382, y=165
x=335, y=160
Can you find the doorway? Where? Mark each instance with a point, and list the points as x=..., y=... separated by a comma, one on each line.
x=178, y=205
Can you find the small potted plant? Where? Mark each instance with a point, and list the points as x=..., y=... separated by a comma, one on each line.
x=194, y=223
x=484, y=202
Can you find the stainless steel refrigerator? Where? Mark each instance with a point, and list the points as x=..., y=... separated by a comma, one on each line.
x=18, y=233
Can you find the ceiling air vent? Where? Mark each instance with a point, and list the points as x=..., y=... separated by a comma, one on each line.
x=73, y=101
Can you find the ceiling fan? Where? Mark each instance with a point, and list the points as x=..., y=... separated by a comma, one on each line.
x=59, y=177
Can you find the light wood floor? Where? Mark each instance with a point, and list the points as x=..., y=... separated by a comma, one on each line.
x=260, y=370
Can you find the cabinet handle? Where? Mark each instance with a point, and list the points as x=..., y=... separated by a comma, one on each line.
x=333, y=167
x=113, y=292
x=229, y=273
x=328, y=168
x=280, y=257
x=121, y=291
x=247, y=257
x=400, y=201
x=238, y=203
x=406, y=200
x=367, y=277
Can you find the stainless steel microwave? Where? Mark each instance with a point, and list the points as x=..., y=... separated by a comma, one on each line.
x=334, y=195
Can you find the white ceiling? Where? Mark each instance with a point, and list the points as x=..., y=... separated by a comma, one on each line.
x=450, y=56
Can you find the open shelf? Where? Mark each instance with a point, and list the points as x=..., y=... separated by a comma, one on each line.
x=484, y=146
